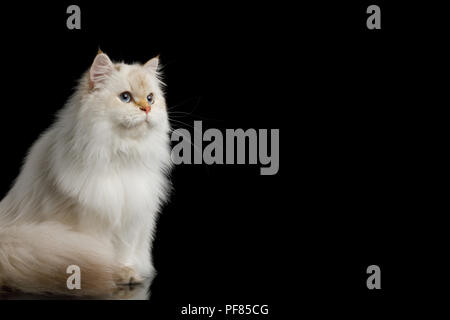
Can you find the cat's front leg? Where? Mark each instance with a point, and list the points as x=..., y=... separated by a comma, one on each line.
x=135, y=257
x=142, y=261
x=128, y=276
x=141, y=254
x=137, y=268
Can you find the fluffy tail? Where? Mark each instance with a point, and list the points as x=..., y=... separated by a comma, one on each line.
x=34, y=258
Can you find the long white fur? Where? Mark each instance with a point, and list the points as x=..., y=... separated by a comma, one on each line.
x=91, y=186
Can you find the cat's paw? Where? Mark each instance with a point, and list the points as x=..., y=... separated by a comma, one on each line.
x=128, y=276
x=130, y=292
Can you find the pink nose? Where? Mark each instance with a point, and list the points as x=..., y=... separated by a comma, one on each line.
x=146, y=109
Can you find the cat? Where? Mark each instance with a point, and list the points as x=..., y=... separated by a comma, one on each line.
x=91, y=186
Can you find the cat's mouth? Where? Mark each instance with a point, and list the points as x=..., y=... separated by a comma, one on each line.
x=147, y=121
x=134, y=121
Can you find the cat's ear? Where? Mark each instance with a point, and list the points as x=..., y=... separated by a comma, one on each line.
x=152, y=64
x=101, y=68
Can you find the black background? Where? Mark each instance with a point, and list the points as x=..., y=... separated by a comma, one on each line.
x=350, y=106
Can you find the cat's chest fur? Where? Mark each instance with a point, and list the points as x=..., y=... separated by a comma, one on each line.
x=119, y=188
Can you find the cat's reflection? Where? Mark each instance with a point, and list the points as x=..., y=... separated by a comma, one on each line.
x=125, y=292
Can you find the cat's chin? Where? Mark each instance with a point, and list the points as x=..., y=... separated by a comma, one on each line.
x=135, y=123
x=138, y=127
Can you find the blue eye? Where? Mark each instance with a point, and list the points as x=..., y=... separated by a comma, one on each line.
x=125, y=97
x=150, y=98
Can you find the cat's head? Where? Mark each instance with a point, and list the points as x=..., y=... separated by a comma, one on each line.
x=128, y=95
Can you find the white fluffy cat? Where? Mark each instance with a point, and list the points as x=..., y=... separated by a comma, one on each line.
x=91, y=186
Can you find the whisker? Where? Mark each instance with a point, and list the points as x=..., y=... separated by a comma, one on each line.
x=181, y=114
x=185, y=101
x=181, y=122
x=188, y=139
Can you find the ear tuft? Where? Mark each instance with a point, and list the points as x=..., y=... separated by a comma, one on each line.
x=101, y=68
x=152, y=64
